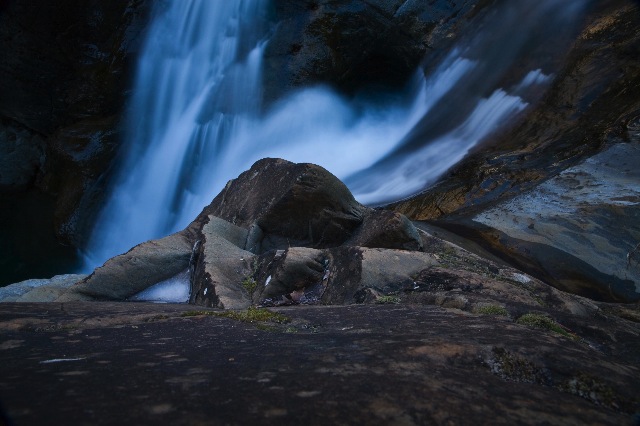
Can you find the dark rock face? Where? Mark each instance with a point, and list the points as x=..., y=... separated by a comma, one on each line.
x=64, y=74
x=295, y=204
x=374, y=365
x=64, y=62
x=354, y=43
x=567, y=150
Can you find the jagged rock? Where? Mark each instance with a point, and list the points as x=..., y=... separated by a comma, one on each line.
x=386, y=229
x=290, y=275
x=280, y=207
x=220, y=266
x=127, y=274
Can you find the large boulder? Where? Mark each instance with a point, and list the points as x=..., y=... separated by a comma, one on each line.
x=293, y=204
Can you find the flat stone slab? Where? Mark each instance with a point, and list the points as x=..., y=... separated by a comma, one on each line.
x=138, y=363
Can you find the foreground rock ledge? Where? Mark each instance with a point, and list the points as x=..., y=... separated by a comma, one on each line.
x=113, y=363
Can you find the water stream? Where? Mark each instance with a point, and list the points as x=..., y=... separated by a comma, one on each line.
x=195, y=119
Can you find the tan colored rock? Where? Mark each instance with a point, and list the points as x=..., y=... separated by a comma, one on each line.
x=221, y=265
x=127, y=274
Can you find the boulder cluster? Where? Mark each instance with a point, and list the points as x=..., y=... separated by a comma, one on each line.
x=288, y=234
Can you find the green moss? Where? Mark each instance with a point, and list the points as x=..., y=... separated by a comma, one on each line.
x=492, y=310
x=249, y=284
x=255, y=315
x=388, y=300
x=196, y=313
x=589, y=388
x=252, y=315
x=544, y=322
x=513, y=367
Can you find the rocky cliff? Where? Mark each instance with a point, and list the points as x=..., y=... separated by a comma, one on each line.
x=557, y=195
x=64, y=76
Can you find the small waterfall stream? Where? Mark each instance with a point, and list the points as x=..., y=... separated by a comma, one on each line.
x=194, y=121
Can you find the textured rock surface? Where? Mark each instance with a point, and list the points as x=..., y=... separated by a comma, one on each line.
x=21, y=156
x=220, y=266
x=275, y=207
x=583, y=226
x=127, y=274
x=353, y=43
x=115, y=363
x=64, y=75
x=581, y=139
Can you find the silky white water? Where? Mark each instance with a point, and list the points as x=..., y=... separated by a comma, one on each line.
x=195, y=118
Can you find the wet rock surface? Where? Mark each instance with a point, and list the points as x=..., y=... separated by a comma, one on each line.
x=64, y=77
x=355, y=43
x=109, y=363
x=556, y=195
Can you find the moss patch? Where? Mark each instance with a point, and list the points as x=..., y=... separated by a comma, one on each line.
x=590, y=389
x=512, y=367
x=249, y=284
x=251, y=315
x=544, y=322
x=383, y=300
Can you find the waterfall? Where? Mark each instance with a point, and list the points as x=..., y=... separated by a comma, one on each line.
x=195, y=119
x=198, y=78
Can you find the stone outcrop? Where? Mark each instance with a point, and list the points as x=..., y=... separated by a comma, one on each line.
x=291, y=218
x=291, y=204
x=380, y=257
x=556, y=195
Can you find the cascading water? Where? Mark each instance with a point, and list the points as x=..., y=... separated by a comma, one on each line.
x=195, y=120
x=198, y=77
